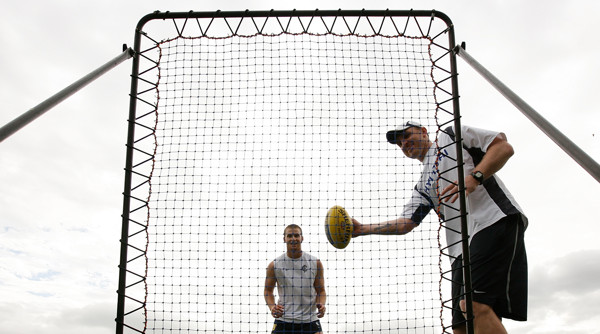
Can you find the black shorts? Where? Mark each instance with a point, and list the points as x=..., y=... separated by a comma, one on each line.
x=297, y=328
x=498, y=271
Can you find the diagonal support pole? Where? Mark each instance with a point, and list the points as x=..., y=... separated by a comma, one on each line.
x=582, y=158
x=27, y=117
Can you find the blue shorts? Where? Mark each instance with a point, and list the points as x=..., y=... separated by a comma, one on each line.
x=296, y=328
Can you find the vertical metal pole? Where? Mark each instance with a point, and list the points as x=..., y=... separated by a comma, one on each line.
x=35, y=112
x=560, y=139
x=466, y=254
x=127, y=187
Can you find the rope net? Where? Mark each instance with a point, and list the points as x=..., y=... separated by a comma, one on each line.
x=238, y=135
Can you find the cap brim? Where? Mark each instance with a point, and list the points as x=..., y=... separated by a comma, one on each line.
x=392, y=135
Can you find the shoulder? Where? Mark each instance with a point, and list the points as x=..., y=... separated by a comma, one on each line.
x=279, y=258
x=471, y=131
x=271, y=267
x=476, y=137
x=467, y=129
x=313, y=260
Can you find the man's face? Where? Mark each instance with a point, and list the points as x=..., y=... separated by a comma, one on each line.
x=293, y=238
x=414, y=143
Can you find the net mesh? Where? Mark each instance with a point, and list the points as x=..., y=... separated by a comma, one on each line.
x=239, y=135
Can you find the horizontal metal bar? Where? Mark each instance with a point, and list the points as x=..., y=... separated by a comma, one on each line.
x=582, y=158
x=293, y=13
x=27, y=117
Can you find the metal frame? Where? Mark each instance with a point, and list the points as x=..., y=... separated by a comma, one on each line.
x=188, y=18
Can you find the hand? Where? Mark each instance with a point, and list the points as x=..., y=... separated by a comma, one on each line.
x=277, y=311
x=356, y=227
x=320, y=310
x=452, y=189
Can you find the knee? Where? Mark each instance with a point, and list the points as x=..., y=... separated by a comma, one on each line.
x=459, y=330
x=479, y=309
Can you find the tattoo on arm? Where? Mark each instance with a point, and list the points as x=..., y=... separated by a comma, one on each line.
x=382, y=228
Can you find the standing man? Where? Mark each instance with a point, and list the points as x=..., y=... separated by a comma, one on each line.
x=300, y=282
x=496, y=223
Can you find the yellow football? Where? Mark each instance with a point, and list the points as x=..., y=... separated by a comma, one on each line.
x=338, y=227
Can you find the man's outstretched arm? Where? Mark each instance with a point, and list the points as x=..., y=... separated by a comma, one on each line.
x=398, y=226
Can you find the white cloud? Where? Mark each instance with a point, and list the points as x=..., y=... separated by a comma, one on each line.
x=61, y=176
x=93, y=318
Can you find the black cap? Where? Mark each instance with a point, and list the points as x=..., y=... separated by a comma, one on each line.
x=393, y=134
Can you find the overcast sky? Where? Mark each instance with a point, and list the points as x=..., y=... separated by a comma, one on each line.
x=61, y=176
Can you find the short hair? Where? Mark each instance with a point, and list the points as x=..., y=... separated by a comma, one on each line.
x=292, y=226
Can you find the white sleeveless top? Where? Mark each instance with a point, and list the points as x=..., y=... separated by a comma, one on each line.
x=295, y=287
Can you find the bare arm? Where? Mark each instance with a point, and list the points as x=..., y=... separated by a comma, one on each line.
x=496, y=156
x=320, y=288
x=398, y=226
x=270, y=282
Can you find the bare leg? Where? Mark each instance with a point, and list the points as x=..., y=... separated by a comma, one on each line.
x=459, y=330
x=485, y=319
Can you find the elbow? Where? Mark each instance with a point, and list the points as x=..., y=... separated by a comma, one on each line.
x=509, y=151
x=411, y=226
x=502, y=147
x=406, y=226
